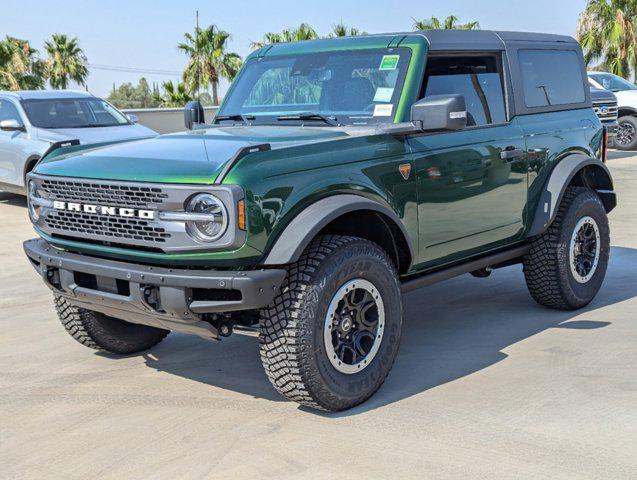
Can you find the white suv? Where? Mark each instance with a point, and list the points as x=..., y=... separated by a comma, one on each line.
x=626, y=93
x=34, y=122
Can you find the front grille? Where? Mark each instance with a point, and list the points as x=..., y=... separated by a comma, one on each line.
x=129, y=196
x=128, y=215
x=107, y=228
x=117, y=228
x=606, y=111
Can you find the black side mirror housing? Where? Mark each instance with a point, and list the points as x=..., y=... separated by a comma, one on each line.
x=440, y=112
x=193, y=114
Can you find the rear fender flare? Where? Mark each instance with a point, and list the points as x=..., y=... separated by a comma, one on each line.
x=559, y=180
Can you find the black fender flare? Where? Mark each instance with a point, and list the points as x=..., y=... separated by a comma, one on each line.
x=31, y=162
x=302, y=229
x=560, y=178
x=632, y=112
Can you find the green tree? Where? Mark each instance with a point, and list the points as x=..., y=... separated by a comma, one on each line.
x=209, y=60
x=66, y=61
x=302, y=32
x=141, y=96
x=175, y=94
x=607, y=30
x=20, y=67
x=449, y=23
x=342, y=30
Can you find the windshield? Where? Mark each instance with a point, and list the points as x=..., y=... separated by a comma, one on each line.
x=73, y=113
x=348, y=87
x=612, y=82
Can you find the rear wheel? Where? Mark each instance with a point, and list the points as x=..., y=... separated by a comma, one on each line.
x=100, y=332
x=330, y=338
x=626, y=137
x=567, y=264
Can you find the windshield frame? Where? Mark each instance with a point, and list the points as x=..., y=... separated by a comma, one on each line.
x=598, y=76
x=272, y=118
x=25, y=102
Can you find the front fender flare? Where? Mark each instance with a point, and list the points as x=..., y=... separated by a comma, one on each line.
x=560, y=178
x=303, y=228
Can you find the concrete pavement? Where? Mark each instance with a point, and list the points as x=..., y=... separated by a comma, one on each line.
x=487, y=384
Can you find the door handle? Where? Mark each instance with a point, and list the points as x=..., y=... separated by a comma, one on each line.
x=510, y=154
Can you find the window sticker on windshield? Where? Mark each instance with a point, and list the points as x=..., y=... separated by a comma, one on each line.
x=383, y=94
x=389, y=62
x=383, y=110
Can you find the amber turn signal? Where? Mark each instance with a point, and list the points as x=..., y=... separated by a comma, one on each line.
x=241, y=209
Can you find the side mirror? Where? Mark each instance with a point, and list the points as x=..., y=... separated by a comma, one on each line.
x=193, y=114
x=132, y=117
x=11, y=125
x=440, y=112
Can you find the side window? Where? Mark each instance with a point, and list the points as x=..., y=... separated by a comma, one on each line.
x=551, y=77
x=8, y=111
x=478, y=78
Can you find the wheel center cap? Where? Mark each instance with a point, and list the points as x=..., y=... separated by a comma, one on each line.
x=346, y=324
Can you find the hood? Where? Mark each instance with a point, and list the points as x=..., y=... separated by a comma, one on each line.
x=598, y=95
x=189, y=157
x=88, y=136
x=627, y=98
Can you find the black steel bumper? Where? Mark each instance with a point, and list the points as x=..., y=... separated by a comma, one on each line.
x=174, y=299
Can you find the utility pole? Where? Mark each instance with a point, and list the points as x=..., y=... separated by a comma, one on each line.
x=198, y=57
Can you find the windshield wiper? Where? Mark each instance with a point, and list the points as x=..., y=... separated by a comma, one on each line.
x=244, y=118
x=310, y=116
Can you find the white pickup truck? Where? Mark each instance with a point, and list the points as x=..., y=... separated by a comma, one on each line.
x=626, y=93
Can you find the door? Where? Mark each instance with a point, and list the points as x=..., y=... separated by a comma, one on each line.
x=472, y=184
x=11, y=146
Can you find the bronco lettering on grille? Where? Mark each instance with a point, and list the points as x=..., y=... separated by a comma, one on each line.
x=99, y=209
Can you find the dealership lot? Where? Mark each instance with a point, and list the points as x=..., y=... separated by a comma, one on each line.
x=487, y=385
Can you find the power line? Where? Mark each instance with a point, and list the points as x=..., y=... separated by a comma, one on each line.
x=117, y=68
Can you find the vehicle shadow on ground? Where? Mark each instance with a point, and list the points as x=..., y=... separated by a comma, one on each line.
x=12, y=199
x=452, y=330
x=620, y=154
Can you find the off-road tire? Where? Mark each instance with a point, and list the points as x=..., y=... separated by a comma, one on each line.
x=546, y=267
x=632, y=145
x=100, y=332
x=292, y=345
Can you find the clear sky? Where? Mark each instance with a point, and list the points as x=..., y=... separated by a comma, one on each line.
x=143, y=34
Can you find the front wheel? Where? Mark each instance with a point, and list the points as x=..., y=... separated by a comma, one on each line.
x=101, y=332
x=626, y=137
x=567, y=264
x=330, y=338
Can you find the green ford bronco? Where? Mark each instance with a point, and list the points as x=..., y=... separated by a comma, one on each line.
x=337, y=175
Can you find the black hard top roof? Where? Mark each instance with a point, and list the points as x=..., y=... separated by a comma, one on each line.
x=485, y=39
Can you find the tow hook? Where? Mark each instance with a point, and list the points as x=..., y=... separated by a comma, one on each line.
x=482, y=273
x=225, y=329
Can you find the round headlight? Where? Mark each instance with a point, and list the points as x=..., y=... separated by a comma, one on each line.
x=34, y=210
x=209, y=230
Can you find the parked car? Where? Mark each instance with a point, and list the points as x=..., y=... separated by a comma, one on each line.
x=626, y=93
x=337, y=175
x=32, y=122
x=606, y=108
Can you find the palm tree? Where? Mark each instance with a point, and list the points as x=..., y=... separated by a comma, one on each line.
x=20, y=68
x=607, y=30
x=209, y=61
x=175, y=94
x=302, y=32
x=66, y=61
x=342, y=30
x=449, y=23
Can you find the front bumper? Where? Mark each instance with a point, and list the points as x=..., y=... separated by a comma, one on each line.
x=174, y=299
x=612, y=128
